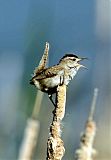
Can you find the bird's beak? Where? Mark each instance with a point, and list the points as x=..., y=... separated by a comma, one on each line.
x=80, y=59
x=83, y=66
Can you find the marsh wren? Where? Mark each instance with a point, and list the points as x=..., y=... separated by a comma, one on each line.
x=47, y=79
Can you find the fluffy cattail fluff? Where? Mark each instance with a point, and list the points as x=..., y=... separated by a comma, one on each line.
x=55, y=145
x=86, y=150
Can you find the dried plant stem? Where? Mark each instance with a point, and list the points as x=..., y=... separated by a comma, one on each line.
x=55, y=145
x=93, y=104
x=31, y=132
x=29, y=140
x=37, y=104
x=86, y=150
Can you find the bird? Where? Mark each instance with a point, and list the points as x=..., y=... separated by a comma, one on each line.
x=48, y=79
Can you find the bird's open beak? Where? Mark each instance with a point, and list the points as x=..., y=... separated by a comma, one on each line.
x=80, y=59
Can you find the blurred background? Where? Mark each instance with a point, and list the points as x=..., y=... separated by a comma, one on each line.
x=82, y=27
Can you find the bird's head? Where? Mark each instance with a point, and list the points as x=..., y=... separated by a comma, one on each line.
x=71, y=61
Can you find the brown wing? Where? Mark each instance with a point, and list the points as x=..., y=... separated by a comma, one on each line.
x=49, y=72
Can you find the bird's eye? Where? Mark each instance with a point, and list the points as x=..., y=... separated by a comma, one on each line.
x=74, y=59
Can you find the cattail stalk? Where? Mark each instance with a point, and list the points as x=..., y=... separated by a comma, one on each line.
x=55, y=145
x=86, y=150
x=29, y=140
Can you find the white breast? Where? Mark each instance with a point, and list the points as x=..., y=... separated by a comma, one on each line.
x=70, y=76
x=73, y=73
